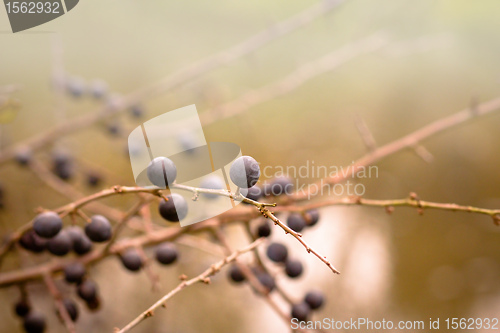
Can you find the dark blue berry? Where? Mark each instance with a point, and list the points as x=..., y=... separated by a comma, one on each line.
x=280, y=185
x=81, y=243
x=236, y=275
x=264, y=229
x=166, y=253
x=22, y=308
x=74, y=272
x=47, y=224
x=32, y=242
x=296, y=222
x=277, y=252
x=293, y=268
x=162, y=172
x=99, y=229
x=34, y=322
x=315, y=299
x=244, y=172
x=136, y=111
x=60, y=244
x=312, y=217
x=87, y=290
x=254, y=193
x=175, y=209
x=132, y=260
x=71, y=308
x=266, y=280
x=301, y=311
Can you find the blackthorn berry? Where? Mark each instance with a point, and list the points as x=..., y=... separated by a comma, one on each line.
x=264, y=229
x=136, y=111
x=99, y=229
x=62, y=165
x=280, y=185
x=277, y=252
x=34, y=322
x=162, y=172
x=236, y=274
x=301, y=311
x=93, y=304
x=296, y=222
x=47, y=224
x=315, y=299
x=87, y=290
x=114, y=128
x=60, y=244
x=266, y=280
x=22, y=308
x=312, y=217
x=71, y=308
x=32, y=242
x=132, y=260
x=94, y=179
x=244, y=172
x=166, y=253
x=175, y=209
x=212, y=182
x=293, y=268
x=74, y=272
x=254, y=193
x=81, y=243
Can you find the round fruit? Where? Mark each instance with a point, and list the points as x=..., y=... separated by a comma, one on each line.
x=93, y=304
x=301, y=311
x=166, y=253
x=175, y=209
x=32, y=242
x=293, y=268
x=161, y=172
x=264, y=229
x=47, y=224
x=132, y=260
x=281, y=185
x=81, y=243
x=62, y=165
x=71, y=308
x=94, y=179
x=315, y=299
x=34, y=322
x=312, y=217
x=212, y=182
x=244, y=172
x=236, y=274
x=99, y=229
x=136, y=111
x=296, y=222
x=87, y=290
x=74, y=272
x=254, y=193
x=277, y=252
x=61, y=244
x=22, y=308
x=266, y=280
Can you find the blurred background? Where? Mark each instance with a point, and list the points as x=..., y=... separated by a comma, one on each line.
x=440, y=57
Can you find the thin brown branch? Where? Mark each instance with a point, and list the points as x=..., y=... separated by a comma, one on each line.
x=203, y=278
x=51, y=286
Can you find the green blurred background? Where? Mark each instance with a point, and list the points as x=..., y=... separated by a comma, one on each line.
x=443, y=55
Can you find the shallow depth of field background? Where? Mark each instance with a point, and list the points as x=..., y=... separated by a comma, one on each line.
x=398, y=267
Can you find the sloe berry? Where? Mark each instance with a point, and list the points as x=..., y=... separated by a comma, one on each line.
x=99, y=229
x=32, y=242
x=315, y=299
x=87, y=290
x=162, y=172
x=264, y=229
x=34, y=322
x=22, y=308
x=166, y=253
x=280, y=185
x=60, y=244
x=236, y=274
x=266, y=280
x=74, y=272
x=47, y=224
x=81, y=243
x=312, y=217
x=71, y=308
x=132, y=260
x=254, y=193
x=293, y=268
x=296, y=222
x=175, y=209
x=244, y=172
x=277, y=252
x=301, y=311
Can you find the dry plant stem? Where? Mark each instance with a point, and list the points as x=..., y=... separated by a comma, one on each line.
x=151, y=274
x=203, y=278
x=178, y=78
x=295, y=79
x=409, y=141
x=408, y=202
x=51, y=286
